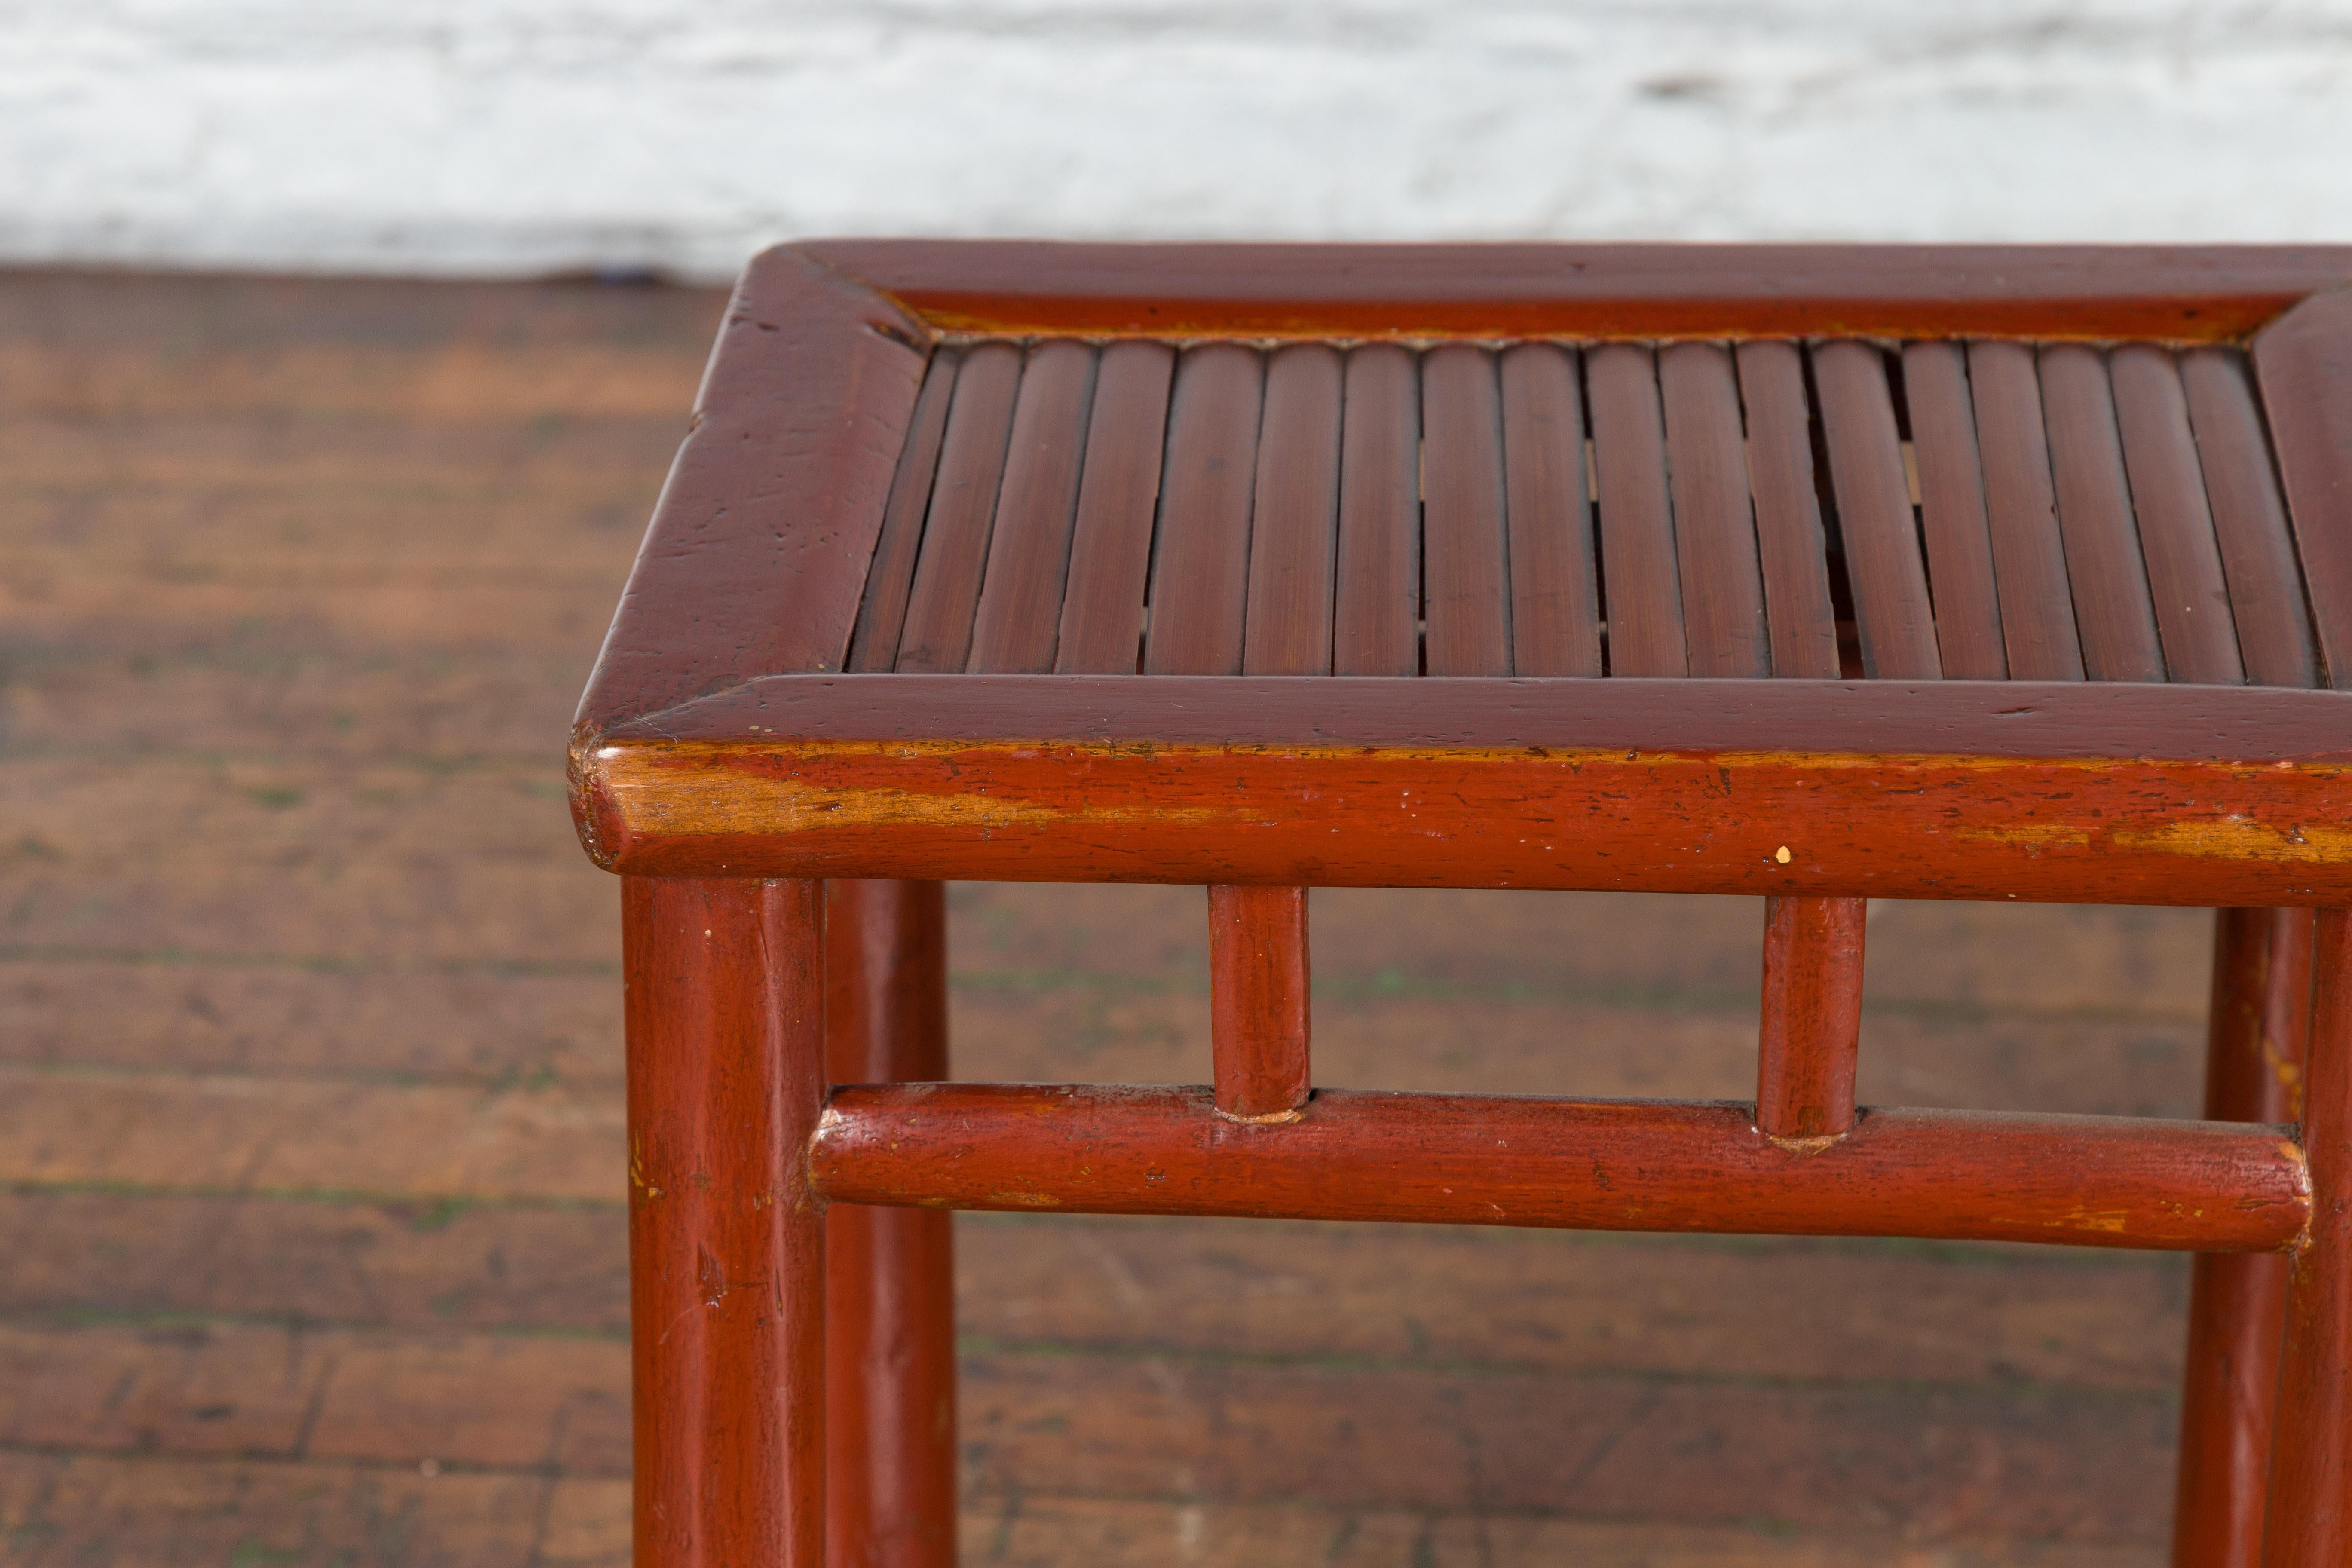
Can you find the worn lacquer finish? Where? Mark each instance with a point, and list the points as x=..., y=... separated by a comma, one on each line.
x=1437, y=471
x=2176, y=523
x=1294, y=523
x=882, y=617
x=1588, y=1164
x=956, y=537
x=1952, y=519
x=1787, y=787
x=726, y=1076
x=2309, y=1517
x=811, y=431
x=800, y=418
x=1806, y=1050
x=2038, y=631
x=2173, y=292
x=1465, y=552
x=1713, y=519
x=1644, y=592
x=1200, y=573
x=1379, y=516
x=1555, y=603
x=2257, y=553
x=1791, y=545
x=2304, y=361
x=1892, y=618
x=1257, y=1000
x=1110, y=556
x=1015, y=621
x=2105, y=566
x=1902, y=825
x=2253, y=1066
x=890, y=1367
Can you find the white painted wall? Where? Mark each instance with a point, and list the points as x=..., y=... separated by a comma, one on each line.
x=517, y=135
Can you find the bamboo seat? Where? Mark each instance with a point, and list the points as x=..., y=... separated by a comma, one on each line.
x=1817, y=573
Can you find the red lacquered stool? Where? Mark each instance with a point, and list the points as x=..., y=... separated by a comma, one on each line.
x=1822, y=574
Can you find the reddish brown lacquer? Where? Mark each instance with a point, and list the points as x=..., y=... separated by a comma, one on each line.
x=945, y=597
x=2117, y=792
x=1379, y=516
x=1791, y=546
x=1257, y=1000
x=1110, y=555
x=2171, y=292
x=2257, y=553
x=2304, y=360
x=2176, y=523
x=1952, y=521
x=1294, y=525
x=1200, y=574
x=1593, y=1164
x=1464, y=566
x=726, y=1078
x=1644, y=592
x=2261, y=1015
x=890, y=1371
x=1892, y=613
x=1812, y=1016
x=1555, y=608
x=1015, y=623
x=874, y=647
x=2309, y=1520
x=1465, y=561
x=2037, y=614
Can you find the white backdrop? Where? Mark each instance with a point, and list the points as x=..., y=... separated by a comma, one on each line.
x=521, y=135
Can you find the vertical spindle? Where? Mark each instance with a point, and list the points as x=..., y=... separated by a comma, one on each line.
x=1812, y=1016
x=1257, y=1001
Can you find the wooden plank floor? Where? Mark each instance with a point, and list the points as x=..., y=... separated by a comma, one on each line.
x=310, y=1238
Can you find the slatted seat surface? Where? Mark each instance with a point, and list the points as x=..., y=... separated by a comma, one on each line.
x=1982, y=508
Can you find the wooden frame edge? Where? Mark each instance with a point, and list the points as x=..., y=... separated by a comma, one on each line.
x=808, y=362
x=1995, y=717
x=2173, y=293
x=1820, y=789
x=2304, y=362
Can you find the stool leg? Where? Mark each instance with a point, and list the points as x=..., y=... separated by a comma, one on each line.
x=1811, y=1028
x=890, y=1372
x=726, y=1080
x=2260, y=1013
x=2309, y=1520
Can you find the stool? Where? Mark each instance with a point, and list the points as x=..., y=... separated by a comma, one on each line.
x=1819, y=573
